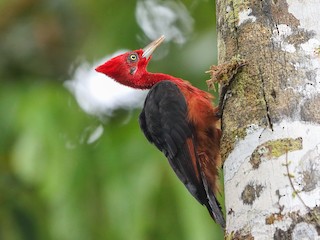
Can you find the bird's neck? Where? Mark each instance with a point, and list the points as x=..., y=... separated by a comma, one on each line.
x=150, y=79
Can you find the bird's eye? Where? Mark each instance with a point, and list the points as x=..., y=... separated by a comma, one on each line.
x=133, y=57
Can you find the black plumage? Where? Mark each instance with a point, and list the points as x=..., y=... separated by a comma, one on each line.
x=164, y=123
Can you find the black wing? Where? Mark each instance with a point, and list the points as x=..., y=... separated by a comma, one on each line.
x=164, y=122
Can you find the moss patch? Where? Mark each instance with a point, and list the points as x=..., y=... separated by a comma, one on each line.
x=266, y=90
x=274, y=149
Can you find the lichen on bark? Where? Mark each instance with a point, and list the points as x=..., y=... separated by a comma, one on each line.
x=274, y=149
x=267, y=156
x=262, y=89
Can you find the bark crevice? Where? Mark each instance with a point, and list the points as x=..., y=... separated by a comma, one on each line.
x=269, y=121
x=274, y=97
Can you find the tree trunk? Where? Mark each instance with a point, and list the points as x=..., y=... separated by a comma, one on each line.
x=271, y=118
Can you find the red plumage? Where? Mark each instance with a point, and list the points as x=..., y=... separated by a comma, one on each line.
x=180, y=120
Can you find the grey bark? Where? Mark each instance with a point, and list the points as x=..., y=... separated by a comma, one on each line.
x=271, y=118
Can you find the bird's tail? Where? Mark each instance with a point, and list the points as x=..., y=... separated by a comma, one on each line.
x=213, y=205
x=214, y=209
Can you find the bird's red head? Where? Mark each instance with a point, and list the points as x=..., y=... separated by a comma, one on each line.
x=130, y=68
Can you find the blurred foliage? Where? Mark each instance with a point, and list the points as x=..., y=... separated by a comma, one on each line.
x=54, y=185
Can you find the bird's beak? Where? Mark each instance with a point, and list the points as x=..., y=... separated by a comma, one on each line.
x=148, y=50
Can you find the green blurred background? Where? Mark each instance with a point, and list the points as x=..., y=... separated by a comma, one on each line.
x=53, y=184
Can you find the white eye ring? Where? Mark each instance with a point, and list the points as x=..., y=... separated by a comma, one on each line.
x=133, y=57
